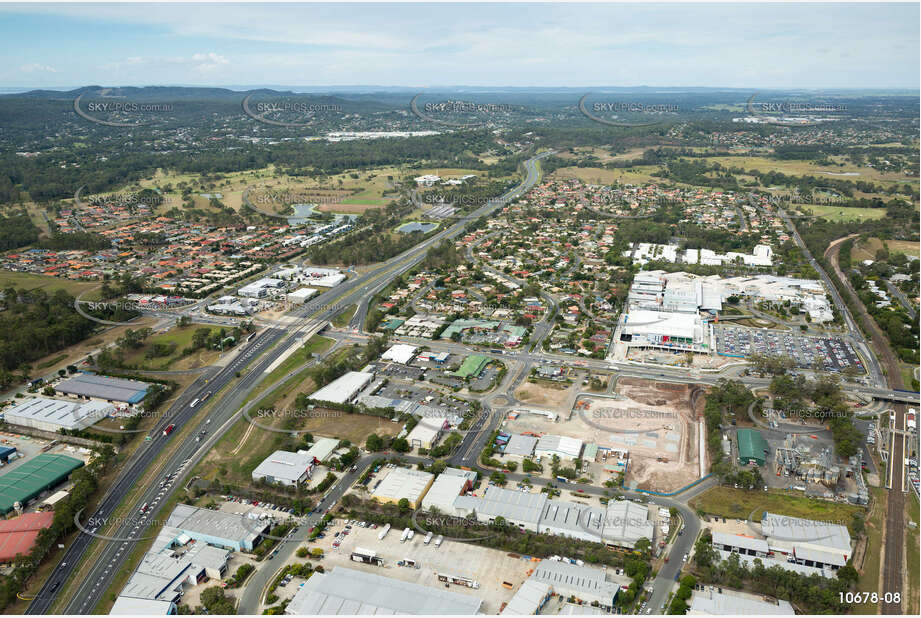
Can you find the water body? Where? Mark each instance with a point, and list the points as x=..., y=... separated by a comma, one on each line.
x=302, y=212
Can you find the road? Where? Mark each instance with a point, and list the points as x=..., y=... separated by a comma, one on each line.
x=109, y=556
x=900, y=296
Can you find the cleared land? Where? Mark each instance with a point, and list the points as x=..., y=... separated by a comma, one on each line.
x=740, y=504
x=177, y=339
x=809, y=168
x=866, y=249
x=596, y=175
x=28, y=281
x=841, y=213
x=655, y=423
x=545, y=394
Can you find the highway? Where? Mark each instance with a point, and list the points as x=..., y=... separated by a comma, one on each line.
x=163, y=477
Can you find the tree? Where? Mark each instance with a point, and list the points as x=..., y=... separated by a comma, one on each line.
x=400, y=445
x=848, y=574
x=642, y=545
x=374, y=443
x=403, y=504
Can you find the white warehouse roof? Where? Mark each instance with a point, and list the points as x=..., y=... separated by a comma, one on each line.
x=404, y=483
x=400, y=353
x=587, y=583
x=322, y=448
x=283, y=466
x=301, y=294
x=512, y=505
x=344, y=388
x=53, y=414
x=564, y=446
x=713, y=603
x=627, y=522
x=443, y=492
x=132, y=606
x=344, y=591
x=522, y=445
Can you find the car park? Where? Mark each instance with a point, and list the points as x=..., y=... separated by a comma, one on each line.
x=831, y=354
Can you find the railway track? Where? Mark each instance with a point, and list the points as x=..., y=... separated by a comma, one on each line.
x=894, y=554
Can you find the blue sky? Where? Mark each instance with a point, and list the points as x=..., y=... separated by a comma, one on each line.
x=720, y=45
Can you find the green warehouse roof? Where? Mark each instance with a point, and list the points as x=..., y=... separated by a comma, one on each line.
x=472, y=366
x=33, y=477
x=752, y=446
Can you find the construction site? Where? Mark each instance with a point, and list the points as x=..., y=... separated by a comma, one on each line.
x=650, y=428
x=646, y=430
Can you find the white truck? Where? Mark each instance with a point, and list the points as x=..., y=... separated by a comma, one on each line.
x=439, y=540
x=383, y=532
x=428, y=538
x=405, y=535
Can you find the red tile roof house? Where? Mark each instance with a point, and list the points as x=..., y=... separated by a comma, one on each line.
x=18, y=535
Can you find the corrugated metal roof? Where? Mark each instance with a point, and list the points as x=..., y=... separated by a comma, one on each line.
x=33, y=477
x=521, y=445
x=737, y=540
x=349, y=591
x=104, y=387
x=512, y=505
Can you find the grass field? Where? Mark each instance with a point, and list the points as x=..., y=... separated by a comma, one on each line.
x=179, y=338
x=342, y=318
x=808, y=168
x=29, y=281
x=866, y=249
x=597, y=175
x=841, y=213
x=742, y=504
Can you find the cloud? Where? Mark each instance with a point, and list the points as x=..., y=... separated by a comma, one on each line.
x=209, y=61
x=35, y=67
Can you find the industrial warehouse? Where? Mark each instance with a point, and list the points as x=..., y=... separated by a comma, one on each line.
x=792, y=543
x=285, y=468
x=403, y=483
x=344, y=389
x=53, y=415
x=104, y=388
x=193, y=546
x=345, y=591
x=29, y=480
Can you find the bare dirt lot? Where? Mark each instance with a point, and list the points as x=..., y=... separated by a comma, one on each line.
x=544, y=394
x=656, y=423
x=652, y=421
